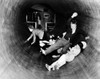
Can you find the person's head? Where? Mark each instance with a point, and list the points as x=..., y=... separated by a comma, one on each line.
x=39, y=27
x=75, y=14
x=31, y=28
x=74, y=51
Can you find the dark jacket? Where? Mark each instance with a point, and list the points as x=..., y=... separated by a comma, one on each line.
x=77, y=37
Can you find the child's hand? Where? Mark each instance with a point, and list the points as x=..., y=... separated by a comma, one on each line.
x=41, y=44
x=26, y=41
x=32, y=43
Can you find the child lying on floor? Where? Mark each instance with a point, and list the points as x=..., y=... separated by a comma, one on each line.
x=68, y=57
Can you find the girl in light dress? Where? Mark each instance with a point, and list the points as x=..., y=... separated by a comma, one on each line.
x=35, y=32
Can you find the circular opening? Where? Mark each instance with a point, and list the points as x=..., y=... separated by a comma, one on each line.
x=19, y=21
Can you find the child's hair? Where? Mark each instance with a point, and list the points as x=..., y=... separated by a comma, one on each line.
x=31, y=27
x=39, y=27
x=74, y=21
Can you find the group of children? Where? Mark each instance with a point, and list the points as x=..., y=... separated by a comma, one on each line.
x=69, y=45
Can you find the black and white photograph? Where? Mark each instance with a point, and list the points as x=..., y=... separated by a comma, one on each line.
x=49, y=39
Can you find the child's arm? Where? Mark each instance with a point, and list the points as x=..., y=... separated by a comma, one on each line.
x=29, y=38
x=34, y=39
